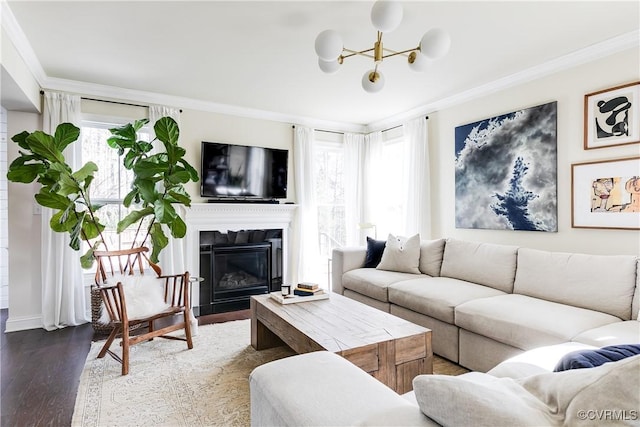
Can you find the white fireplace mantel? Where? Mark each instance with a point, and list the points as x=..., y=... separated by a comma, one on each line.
x=225, y=217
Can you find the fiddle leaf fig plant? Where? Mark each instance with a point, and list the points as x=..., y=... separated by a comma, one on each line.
x=41, y=159
x=159, y=179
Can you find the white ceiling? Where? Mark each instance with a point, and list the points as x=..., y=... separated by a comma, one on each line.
x=260, y=55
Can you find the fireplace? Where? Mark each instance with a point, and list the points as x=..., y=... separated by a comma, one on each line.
x=236, y=265
x=202, y=218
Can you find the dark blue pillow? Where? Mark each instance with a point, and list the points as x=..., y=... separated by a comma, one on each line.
x=592, y=358
x=375, y=248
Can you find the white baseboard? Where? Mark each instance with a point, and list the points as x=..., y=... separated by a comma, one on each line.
x=15, y=324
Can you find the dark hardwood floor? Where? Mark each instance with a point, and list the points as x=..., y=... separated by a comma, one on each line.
x=41, y=371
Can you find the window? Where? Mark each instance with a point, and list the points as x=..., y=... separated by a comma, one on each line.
x=330, y=201
x=391, y=212
x=111, y=182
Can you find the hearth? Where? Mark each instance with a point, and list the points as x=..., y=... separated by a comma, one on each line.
x=236, y=265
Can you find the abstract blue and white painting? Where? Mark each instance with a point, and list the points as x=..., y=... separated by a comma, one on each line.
x=506, y=171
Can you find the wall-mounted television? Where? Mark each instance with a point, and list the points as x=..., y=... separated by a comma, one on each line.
x=238, y=172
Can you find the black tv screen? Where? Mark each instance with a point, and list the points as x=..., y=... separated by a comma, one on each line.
x=239, y=171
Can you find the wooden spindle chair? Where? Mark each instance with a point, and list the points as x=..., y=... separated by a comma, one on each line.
x=176, y=294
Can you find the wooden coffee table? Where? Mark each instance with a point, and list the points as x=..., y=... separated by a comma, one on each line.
x=391, y=349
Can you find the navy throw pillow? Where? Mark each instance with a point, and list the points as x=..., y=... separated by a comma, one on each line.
x=592, y=358
x=375, y=248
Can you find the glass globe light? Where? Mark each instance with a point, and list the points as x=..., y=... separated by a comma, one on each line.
x=328, y=67
x=435, y=43
x=373, y=86
x=418, y=62
x=329, y=45
x=386, y=15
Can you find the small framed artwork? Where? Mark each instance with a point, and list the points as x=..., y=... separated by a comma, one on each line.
x=606, y=194
x=612, y=117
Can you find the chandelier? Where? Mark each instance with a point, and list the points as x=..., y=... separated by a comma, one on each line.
x=385, y=17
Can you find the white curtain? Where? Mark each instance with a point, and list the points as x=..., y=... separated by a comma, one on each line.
x=63, y=296
x=354, y=179
x=172, y=258
x=418, y=200
x=374, y=179
x=305, y=246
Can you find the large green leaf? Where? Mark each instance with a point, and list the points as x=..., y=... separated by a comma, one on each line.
x=159, y=241
x=63, y=221
x=66, y=133
x=180, y=196
x=44, y=145
x=24, y=173
x=132, y=218
x=167, y=130
x=178, y=228
x=179, y=177
x=85, y=171
x=52, y=200
x=192, y=171
x=146, y=169
x=76, y=233
x=86, y=260
x=147, y=189
x=164, y=212
x=91, y=229
x=21, y=140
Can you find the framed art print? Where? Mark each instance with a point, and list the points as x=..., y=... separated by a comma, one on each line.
x=506, y=171
x=612, y=117
x=606, y=194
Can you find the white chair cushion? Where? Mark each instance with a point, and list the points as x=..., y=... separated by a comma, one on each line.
x=144, y=296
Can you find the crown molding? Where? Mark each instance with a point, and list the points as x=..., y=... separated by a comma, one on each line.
x=591, y=53
x=19, y=39
x=151, y=98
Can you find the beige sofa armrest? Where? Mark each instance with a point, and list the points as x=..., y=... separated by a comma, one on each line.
x=343, y=260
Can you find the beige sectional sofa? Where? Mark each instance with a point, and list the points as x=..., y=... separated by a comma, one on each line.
x=487, y=302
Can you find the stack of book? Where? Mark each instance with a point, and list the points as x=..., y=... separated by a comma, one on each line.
x=307, y=289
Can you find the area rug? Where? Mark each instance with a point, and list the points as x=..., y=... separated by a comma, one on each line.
x=169, y=385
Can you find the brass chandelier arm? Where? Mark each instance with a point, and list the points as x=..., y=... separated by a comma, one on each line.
x=356, y=52
x=404, y=52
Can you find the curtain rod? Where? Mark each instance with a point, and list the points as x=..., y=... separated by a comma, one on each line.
x=110, y=102
x=342, y=133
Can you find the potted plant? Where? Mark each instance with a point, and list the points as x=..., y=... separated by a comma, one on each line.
x=158, y=184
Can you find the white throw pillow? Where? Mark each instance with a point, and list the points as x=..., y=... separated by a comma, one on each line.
x=477, y=399
x=401, y=254
x=144, y=296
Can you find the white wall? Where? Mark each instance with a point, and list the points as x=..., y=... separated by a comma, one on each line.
x=25, y=296
x=568, y=88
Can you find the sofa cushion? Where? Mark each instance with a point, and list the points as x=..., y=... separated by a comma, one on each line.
x=401, y=254
x=372, y=282
x=627, y=332
x=597, y=282
x=431, y=253
x=477, y=399
x=540, y=360
x=525, y=322
x=437, y=297
x=552, y=399
x=483, y=263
